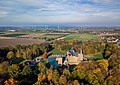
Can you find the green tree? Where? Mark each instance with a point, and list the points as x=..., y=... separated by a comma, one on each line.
x=14, y=71
x=63, y=80
x=66, y=72
x=3, y=67
x=10, y=55
x=42, y=67
x=25, y=55
x=26, y=70
x=55, y=78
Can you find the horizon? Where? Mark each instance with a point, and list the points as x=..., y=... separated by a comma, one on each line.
x=59, y=25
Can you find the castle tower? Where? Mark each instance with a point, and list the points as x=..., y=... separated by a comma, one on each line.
x=80, y=55
x=81, y=50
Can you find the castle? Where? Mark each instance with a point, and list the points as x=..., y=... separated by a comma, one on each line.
x=73, y=58
x=70, y=58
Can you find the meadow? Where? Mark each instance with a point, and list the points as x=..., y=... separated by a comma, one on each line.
x=83, y=37
x=54, y=35
x=56, y=52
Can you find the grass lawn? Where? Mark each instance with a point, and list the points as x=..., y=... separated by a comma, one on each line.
x=82, y=37
x=56, y=52
x=98, y=56
x=94, y=56
x=54, y=35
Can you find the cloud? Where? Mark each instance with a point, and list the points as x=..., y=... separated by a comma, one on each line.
x=88, y=8
x=3, y=12
x=105, y=1
x=59, y=11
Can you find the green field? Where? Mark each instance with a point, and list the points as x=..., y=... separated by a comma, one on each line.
x=98, y=56
x=1, y=33
x=54, y=35
x=13, y=35
x=82, y=37
x=56, y=52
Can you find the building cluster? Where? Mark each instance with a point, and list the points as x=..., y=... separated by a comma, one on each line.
x=111, y=39
x=70, y=58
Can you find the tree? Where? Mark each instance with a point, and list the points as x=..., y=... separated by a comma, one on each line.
x=3, y=67
x=25, y=55
x=42, y=67
x=18, y=54
x=44, y=55
x=26, y=70
x=103, y=63
x=36, y=50
x=14, y=71
x=10, y=55
x=11, y=81
x=42, y=79
x=76, y=82
x=66, y=72
x=63, y=80
x=55, y=78
x=50, y=74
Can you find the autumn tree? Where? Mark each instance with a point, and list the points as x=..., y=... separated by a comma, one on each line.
x=3, y=67
x=44, y=55
x=55, y=78
x=42, y=67
x=14, y=71
x=62, y=80
x=76, y=82
x=26, y=70
x=11, y=81
x=18, y=54
x=10, y=55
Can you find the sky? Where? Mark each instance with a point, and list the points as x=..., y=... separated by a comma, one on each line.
x=102, y=12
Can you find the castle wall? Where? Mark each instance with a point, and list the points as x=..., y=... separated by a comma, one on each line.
x=59, y=60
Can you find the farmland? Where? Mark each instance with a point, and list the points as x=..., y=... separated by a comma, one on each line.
x=43, y=35
x=13, y=35
x=18, y=41
x=20, y=38
x=15, y=38
x=66, y=36
x=82, y=37
x=55, y=34
x=32, y=35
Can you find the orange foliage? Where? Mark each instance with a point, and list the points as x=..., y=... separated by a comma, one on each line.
x=45, y=55
x=96, y=70
x=11, y=82
x=104, y=62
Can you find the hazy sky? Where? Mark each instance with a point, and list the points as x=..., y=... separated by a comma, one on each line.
x=60, y=11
